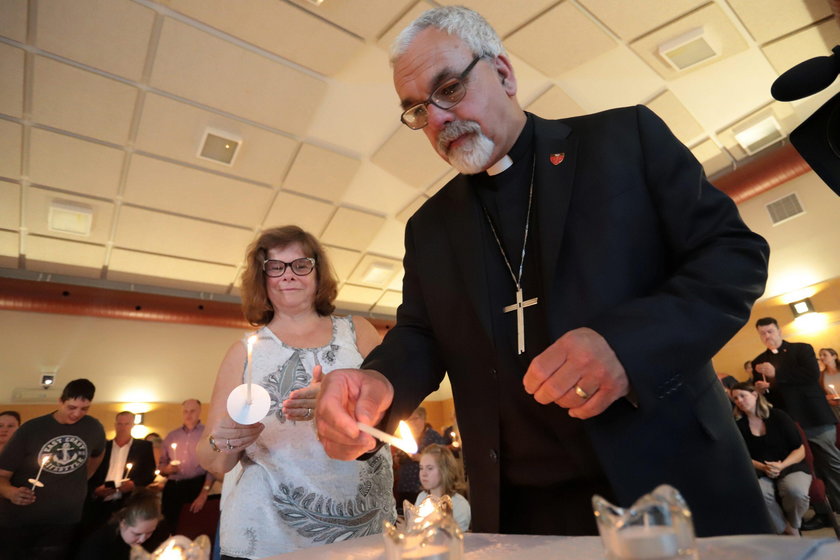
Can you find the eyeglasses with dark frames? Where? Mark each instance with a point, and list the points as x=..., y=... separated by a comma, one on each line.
x=445, y=96
x=300, y=267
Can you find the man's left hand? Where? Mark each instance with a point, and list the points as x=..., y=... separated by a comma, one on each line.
x=199, y=502
x=580, y=359
x=127, y=486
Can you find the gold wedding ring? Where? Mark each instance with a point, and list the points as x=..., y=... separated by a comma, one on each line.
x=581, y=393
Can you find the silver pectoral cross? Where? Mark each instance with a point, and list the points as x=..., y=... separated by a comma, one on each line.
x=519, y=307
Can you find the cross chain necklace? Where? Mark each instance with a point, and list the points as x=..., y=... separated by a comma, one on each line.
x=519, y=305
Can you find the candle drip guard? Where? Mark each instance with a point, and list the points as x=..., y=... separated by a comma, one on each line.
x=658, y=526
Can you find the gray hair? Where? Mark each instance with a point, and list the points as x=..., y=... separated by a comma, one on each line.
x=466, y=24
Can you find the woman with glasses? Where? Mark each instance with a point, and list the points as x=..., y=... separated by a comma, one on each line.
x=289, y=494
x=778, y=456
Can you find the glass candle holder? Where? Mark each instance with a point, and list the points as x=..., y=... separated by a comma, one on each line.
x=177, y=547
x=657, y=527
x=429, y=532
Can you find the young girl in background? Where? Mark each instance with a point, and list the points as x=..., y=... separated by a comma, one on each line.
x=440, y=475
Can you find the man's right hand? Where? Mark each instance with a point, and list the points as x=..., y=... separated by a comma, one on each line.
x=103, y=491
x=348, y=396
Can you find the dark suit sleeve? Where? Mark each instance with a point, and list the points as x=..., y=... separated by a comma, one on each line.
x=803, y=369
x=409, y=356
x=143, y=457
x=716, y=269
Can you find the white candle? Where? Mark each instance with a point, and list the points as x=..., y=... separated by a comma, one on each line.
x=174, y=461
x=36, y=482
x=405, y=441
x=646, y=542
x=127, y=470
x=833, y=390
x=248, y=375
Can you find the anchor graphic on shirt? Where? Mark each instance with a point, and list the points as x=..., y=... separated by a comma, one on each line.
x=64, y=456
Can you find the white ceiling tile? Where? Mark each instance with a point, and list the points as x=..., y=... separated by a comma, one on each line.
x=176, y=188
x=375, y=272
x=375, y=189
x=352, y=229
x=408, y=156
x=111, y=35
x=65, y=162
x=9, y=248
x=154, y=232
x=388, y=37
x=43, y=253
x=9, y=205
x=11, y=86
x=126, y=265
x=277, y=27
x=679, y=120
x=357, y=298
x=320, y=173
x=390, y=240
x=565, y=31
x=530, y=82
x=613, y=79
x=499, y=14
x=343, y=261
x=747, y=73
x=10, y=149
x=713, y=158
x=629, y=20
x=359, y=104
x=718, y=30
x=817, y=40
x=13, y=19
x=555, y=104
x=769, y=19
x=440, y=183
x=310, y=214
x=38, y=208
x=365, y=18
x=176, y=130
x=388, y=303
x=397, y=283
x=83, y=102
x=214, y=72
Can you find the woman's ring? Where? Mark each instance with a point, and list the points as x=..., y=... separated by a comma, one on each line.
x=581, y=393
x=309, y=412
x=229, y=446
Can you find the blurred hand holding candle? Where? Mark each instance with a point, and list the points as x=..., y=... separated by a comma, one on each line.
x=127, y=470
x=248, y=403
x=404, y=440
x=833, y=390
x=36, y=482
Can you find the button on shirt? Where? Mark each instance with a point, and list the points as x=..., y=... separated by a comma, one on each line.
x=187, y=441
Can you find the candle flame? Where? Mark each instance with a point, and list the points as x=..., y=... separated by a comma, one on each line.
x=426, y=508
x=128, y=467
x=174, y=446
x=409, y=445
x=171, y=552
x=45, y=459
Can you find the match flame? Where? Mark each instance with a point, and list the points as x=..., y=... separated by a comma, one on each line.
x=407, y=442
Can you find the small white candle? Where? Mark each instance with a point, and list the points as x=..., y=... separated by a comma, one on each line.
x=833, y=390
x=174, y=460
x=646, y=542
x=405, y=441
x=248, y=375
x=127, y=470
x=36, y=482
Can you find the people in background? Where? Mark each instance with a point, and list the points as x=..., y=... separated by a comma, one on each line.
x=290, y=495
x=748, y=369
x=575, y=369
x=69, y=444
x=408, y=467
x=114, y=480
x=131, y=525
x=187, y=482
x=440, y=475
x=778, y=456
x=9, y=423
x=788, y=375
x=829, y=378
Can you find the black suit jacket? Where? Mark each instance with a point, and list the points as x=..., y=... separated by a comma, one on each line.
x=636, y=244
x=796, y=387
x=140, y=455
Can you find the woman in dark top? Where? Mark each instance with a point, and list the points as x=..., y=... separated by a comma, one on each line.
x=131, y=525
x=778, y=456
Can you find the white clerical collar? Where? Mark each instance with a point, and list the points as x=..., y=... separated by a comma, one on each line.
x=774, y=350
x=500, y=165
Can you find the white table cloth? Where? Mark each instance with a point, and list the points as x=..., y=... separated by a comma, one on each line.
x=485, y=546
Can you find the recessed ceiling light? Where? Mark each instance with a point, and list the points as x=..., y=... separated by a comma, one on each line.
x=218, y=146
x=687, y=50
x=70, y=217
x=378, y=273
x=757, y=135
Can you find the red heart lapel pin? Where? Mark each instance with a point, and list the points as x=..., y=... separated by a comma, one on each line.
x=557, y=159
